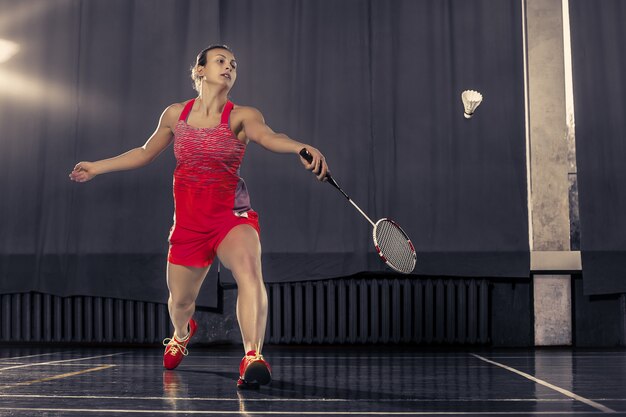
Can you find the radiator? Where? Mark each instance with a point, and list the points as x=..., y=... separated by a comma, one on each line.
x=34, y=317
x=343, y=311
x=446, y=311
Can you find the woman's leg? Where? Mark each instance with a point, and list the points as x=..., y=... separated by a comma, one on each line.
x=240, y=251
x=184, y=283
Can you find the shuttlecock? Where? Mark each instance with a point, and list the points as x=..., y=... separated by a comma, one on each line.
x=471, y=99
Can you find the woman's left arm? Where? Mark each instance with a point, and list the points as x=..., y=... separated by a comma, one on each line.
x=257, y=131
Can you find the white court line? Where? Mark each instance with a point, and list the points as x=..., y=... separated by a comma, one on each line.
x=30, y=356
x=562, y=357
x=298, y=412
x=59, y=361
x=534, y=355
x=55, y=377
x=225, y=399
x=326, y=357
x=570, y=394
x=76, y=364
x=197, y=355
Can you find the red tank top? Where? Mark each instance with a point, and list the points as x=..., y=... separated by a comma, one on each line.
x=208, y=161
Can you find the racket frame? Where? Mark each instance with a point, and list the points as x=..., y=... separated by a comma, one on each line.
x=379, y=251
x=308, y=157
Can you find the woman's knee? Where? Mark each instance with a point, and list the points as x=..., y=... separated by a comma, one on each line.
x=248, y=276
x=182, y=302
x=246, y=263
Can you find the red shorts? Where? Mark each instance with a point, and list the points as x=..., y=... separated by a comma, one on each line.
x=198, y=248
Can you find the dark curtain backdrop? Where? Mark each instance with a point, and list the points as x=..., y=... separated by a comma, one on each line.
x=374, y=84
x=599, y=65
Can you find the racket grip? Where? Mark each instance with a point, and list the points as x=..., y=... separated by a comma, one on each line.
x=308, y=157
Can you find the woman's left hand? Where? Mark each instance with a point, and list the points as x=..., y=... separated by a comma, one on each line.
x=318, y=165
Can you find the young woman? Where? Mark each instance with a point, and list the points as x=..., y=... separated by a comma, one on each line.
x=212, y=216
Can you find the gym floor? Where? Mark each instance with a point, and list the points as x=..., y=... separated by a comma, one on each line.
x=313, y=381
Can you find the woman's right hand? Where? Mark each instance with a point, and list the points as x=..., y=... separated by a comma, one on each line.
x=83, y=172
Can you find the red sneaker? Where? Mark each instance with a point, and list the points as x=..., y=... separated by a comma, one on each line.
x=253, y=371
x=175, y=349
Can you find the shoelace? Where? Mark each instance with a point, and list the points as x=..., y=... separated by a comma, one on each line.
x=253, y=358
x=176, y=345
x=257, y=355
x=257, y=352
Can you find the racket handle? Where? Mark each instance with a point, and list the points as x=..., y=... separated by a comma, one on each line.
x=308, y=157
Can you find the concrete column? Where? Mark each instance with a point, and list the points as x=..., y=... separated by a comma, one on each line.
x=548, y=166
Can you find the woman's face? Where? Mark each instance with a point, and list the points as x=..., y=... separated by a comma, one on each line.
x=220, y=68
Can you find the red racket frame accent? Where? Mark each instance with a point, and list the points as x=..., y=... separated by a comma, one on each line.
x=407, y=239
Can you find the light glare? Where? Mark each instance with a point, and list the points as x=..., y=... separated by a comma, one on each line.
x=7, y=50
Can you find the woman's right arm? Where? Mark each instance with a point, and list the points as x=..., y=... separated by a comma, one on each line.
x=137, y=157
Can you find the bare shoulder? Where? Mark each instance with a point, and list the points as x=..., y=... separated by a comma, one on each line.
x=246, y=113
x=172, y=113
x=242, y=118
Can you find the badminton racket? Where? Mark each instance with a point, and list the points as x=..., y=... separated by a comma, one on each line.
x=391, y=242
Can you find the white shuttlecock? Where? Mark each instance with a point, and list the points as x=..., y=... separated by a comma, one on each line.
x=471, y=99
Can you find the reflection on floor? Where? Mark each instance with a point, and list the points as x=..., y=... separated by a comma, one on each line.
x=38, y=381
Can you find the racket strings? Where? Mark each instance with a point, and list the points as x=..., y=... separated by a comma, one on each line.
x=394, y=246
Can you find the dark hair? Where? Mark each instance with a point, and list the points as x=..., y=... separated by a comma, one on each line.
x=201, y=60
